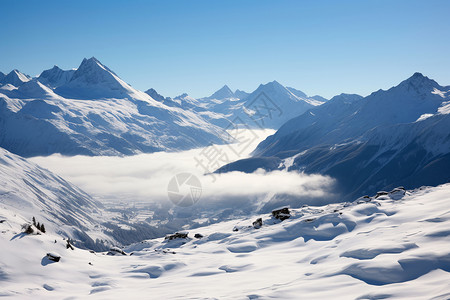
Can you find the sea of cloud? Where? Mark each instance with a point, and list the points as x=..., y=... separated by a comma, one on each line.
x=145, y=177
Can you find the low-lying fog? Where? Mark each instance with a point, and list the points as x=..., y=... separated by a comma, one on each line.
x=145, y=177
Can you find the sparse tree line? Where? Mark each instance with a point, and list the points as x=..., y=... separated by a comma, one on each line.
x=28, y=228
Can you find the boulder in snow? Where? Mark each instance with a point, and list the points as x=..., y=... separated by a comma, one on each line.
x=53, y=256
x=116, y=251
x=176, y=235
x=258, y=223
x=281, y=213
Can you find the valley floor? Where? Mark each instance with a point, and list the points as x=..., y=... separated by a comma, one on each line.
x=393, y=246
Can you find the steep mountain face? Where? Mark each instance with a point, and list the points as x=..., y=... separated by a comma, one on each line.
x=155, y=95
x=296, y=92
x=36, y=120
x=2, y=75
x=390, y=138
x=16, y=78
x=29, y=191
x=55, y=77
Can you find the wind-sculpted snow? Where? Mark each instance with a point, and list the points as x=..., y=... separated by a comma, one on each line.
x=386, y=246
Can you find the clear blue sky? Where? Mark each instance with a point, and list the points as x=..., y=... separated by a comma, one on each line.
x=320, y=47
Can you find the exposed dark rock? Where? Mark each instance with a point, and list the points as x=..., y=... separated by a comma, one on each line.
x=177, y=235
x=281, y=213
x=198, y=236
x=69, y=245
x=53, y=256
x=381, y=193
x=116, y=251
x=258, y=223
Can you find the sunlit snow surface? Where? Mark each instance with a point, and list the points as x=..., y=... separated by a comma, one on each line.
x=391, y=246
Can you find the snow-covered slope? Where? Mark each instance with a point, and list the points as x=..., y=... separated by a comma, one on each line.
x=37, y=120
x=55, y=76
x=27, y=191
x=34, y=89
x=394, y=245
x=15, y=77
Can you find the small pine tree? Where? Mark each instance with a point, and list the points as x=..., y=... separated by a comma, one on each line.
x=42, y=228
x=34, y=221
x=38, y=226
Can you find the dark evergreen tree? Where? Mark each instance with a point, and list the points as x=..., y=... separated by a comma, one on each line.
x=42, y=228
x=34, y=221
x=38, y=226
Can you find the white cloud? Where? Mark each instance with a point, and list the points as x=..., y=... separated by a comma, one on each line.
x=145, y=177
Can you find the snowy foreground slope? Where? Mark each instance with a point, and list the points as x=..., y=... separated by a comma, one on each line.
x=388, y=246
x=27, y=191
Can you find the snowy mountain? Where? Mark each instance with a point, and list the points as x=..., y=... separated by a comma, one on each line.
x=240, y=94
x=93, y=80
x=296, y=92
x=2, y=75
x=16, y=78
x=28, y=191
x=272, y=104
x=37, y=120
x=390, y=138
x=36, y=90
x=228, y=109
x=223, y=93
x=55, y=77
x=391, y=245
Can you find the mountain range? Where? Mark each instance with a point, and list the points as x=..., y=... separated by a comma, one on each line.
x=389, y=138
x=92, y=111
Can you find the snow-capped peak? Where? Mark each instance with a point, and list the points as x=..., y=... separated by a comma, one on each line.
x=93, y=80
x=16, y=78
x=55, y=76
x=93, y=71
x=223, y=93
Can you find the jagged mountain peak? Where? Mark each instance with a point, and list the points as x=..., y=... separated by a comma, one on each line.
x=418, y=81
x=155, y=95
x=56, y=76
x=93, y=80
x=240, y=94
x=222, y=93
x=16, y=78
x=92, y=68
